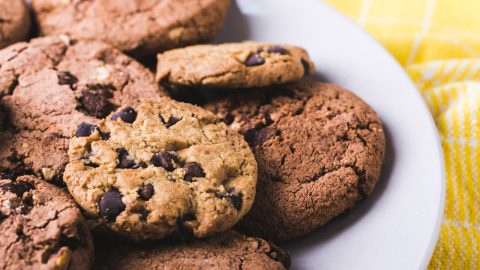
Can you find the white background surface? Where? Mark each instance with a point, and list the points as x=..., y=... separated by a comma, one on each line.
x=397, y=227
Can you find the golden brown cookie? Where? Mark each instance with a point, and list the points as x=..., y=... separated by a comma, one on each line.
x=150, y=170
x=233, y=65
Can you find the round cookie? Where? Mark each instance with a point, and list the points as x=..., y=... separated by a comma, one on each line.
x=319, y=150
x=162, y=167
x=14, y=22
x=230, y=250
x=41, y=227
x=137, y=27
x=233, y=65
x=53, y=84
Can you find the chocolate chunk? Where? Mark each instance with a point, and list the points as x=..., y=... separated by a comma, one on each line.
x=140, y=165
x=171, y=121
x=146, y=192
x=306, y=67
x=278, y=49
x=144, y=214
x=228, y=119
x=128, y=115
x=85, y=130
x=125, y=161
x=165, y=159
x=111, y=205
x=105, y=135
x=192, y=170
x=66, y=78
x=17, y=188
x=254, y=60
x=96, y=102
x=237, y=200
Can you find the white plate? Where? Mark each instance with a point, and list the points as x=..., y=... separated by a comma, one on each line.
x=398, y=226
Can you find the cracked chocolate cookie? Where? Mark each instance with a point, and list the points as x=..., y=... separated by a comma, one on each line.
x=41, y=227
x=230, y=250
x=50, y=86
x=233, y=65
x=14, y=22
x=137, y=27
x=162, y=167
x=319, y=150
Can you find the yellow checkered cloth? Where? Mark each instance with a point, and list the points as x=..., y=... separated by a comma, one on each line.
x=438, y=43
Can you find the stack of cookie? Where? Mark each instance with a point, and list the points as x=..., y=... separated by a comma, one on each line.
x=101, y=167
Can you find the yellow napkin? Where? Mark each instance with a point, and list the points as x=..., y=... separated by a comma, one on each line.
x=438, y=43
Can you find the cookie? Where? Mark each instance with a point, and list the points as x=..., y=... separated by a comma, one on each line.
x=53, y=84
x=41, y=227
x=14, y=22
x=319, y=150
x=164, y=167
x=139, y=28
x=233, y=65
x=230, y=250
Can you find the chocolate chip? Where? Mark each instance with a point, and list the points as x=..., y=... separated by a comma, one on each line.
x=254, y=60
x=171, y=121
x=278, y=49
x=140, y=165
x=96, y=102
x=237, y=200
x=66, y=78
x=128, y=115
x=192, y=170
x=111, y=205
x=85, y=130
x=105, y=135
x=17, y=188
x=144, y=214
x=125, y=161
x=165, y=159
x=146, y=192
x=306, y=67
x=228, y=119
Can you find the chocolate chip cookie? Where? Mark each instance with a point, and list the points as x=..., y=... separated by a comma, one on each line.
x=137, y=27
x=14, y=22
x=233, y=65
x=53, y=84
x=230, y=250
x=41, y=227
x=319, y=150
x=161, y=167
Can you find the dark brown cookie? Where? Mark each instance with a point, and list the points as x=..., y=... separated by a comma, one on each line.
x=41, y=227
x=228, y=251
x=14, y=22
x=319, y=150
x=136, y=27
x=52, y=85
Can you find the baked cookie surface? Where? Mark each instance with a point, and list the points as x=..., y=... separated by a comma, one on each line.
x=41, y=227
x=319, y=150
x=138, y=27
x=230, y=250
x=53, y=84
x=162, y=167
x=14, y=22
x=233, y=65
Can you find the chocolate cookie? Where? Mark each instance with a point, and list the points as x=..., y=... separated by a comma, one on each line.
x=41, y=227
x=151, y=170
x=319, y=150
x=49, y=87
x=230, y=250
x=14, y=22
x=136, y=27
x=233, y=65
